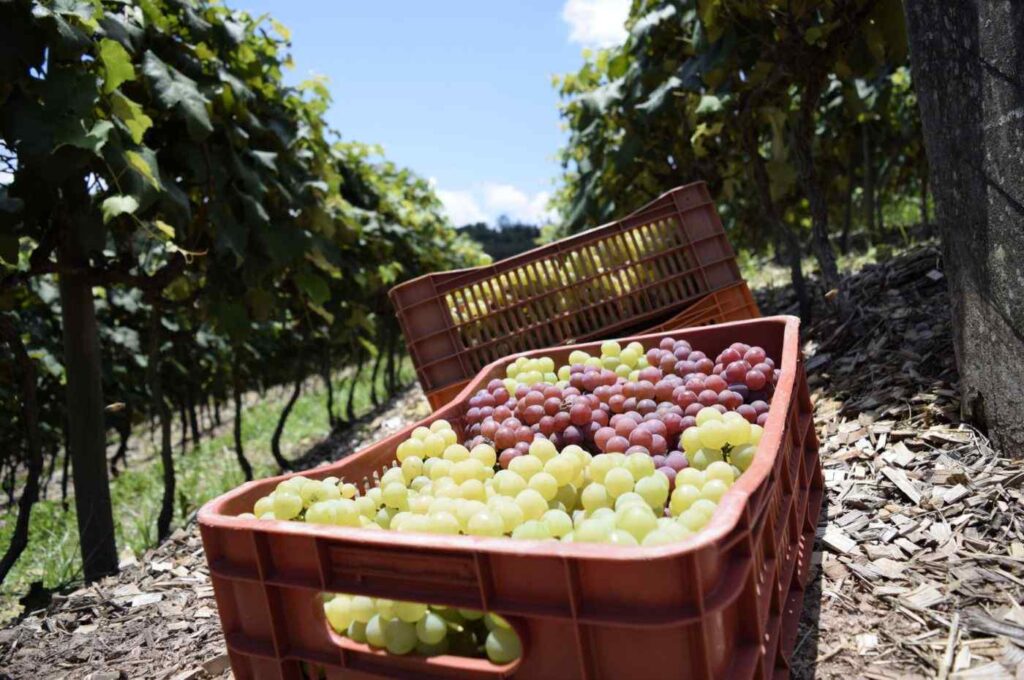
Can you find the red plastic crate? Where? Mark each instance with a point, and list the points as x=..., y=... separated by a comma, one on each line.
x=644, y=267
x=723, y=603
x=732, y=303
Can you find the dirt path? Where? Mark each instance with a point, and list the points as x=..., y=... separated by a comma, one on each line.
x=919, y=564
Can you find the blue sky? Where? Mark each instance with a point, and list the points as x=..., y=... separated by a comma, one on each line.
x=458, y=90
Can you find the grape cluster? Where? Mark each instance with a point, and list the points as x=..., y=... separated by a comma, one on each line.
x=406, y=627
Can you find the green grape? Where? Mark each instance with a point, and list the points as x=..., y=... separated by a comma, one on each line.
x=494, y=621
x=618, y=481
x=559, y=523
x=638, y=520
x=510, y=513
x=431, y=629
x=526, y=466
x=287, y=504
x=357, y=631
x=412, y=467
x=485, y=454
x=653, y=491
x=623, y=371
x=531, y=502
x=737, y=431
x=706, y=415
x=561, y=468
x=595, y=496
x=756, y=432
x=544, y=484
x=263, y=505
x=375, y=634
x=410, y=612
x=485, y=523
x=392, y=475
x=455, y=453
x=611, y=348
x=705, y=506
x=624, y=500
x=471, y=614
x=396, y=496
x=509, y=483
x=659, y=537
x=320, y=513
x=533, y=530
x=600, y=466
x=713, y=434
x=338, y=613
x=694, y=520
x=705, y=457
x=473, y=490
x=682, y=498
x=691, y=440
x=400, y=636
x=640, y=465
x=621, y=537
x=714, y=489
x=720, y=470
x=385, y=607
x=743, y=456
x=592, y=531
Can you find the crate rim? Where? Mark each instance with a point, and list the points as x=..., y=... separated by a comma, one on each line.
x=725, y=520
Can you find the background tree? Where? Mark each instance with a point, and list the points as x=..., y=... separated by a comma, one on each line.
x=968, y=62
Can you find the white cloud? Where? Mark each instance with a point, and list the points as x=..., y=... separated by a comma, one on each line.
x=596, y=23
x=488, y=201
x=462, y=207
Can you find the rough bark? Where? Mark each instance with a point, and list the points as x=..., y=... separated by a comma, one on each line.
x=184, y=426
x=844, y=238
x=325, y=375
x=350, y=406
x=156, y=392
x=34, y=461
x=968, y=65
x=86, y=428
x=193, y=418
x=377, y=363
x=124, y=433
x=275, y=440
x=243, y=462
x=803, y=151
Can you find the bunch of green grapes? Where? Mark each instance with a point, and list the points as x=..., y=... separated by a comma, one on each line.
x=428, y=630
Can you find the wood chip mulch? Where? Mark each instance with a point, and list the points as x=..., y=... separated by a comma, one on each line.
x=919, y=564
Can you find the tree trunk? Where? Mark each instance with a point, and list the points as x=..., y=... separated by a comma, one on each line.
x=844, y=239
x=65, y=474
x=275, y=441
x=124, y=433
x=925, y=221
x=389, y=369
x=163, y=414
x=967, y=61
x=184, y=426
x=54, y=455
x=216, y=411
x=868, y=200
x=86, y=429
x=243, y=462
x=30, y=420
x=325, y=375
x=378, y=361
x=193, y=419
x=350, y=407
x=790, y=244
x=803, y=149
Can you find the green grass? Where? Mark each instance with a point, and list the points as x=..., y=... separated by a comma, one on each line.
x=203, y=472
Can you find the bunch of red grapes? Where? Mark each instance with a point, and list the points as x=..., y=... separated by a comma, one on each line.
x=604, y=412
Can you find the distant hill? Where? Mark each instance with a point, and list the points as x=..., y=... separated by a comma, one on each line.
x=505, y=240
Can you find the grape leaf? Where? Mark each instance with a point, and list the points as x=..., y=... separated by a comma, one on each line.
x=132, y=115
x=174, y=89
x=91, y=140
x=117, y=65
x=142, y=166
x=118, y=205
